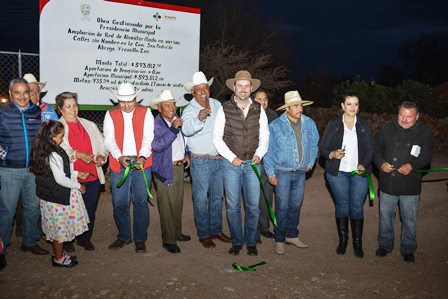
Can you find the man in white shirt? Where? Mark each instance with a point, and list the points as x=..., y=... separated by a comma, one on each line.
x=128, y=133
x=241, y=136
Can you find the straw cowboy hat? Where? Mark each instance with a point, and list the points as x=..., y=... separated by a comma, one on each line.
x=198, y=78
x=167, y=96
x=293, y=98
x=31, y=79
x=243, y=75
x=126, y=92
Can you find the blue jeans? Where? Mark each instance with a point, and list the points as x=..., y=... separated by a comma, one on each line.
x=237, y=178
x=207, y=179
x=288, y=202
x=90, y=198
x=15, y=183
x=408, y=213
x=121, y=197
x=349, y=194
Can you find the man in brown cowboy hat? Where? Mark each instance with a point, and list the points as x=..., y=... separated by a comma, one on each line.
x=128, y=134
x=241, y=136
x=286, y=164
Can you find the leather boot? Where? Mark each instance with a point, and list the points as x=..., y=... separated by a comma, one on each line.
x=357, y=226
x=342, y=226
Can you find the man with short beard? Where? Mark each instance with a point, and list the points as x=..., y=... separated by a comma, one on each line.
x=241, y=136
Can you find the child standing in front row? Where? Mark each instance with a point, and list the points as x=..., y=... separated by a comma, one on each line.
x=63, y=213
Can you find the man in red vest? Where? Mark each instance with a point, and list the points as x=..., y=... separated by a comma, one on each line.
x=128, y=133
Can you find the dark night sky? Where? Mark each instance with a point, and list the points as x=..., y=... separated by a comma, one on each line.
x=349, y=37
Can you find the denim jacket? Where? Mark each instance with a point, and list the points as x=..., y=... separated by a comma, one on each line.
x=283, y=150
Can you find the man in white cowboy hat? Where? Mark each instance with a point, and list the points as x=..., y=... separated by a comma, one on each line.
x=128, y=134
x=199, y=123
x=292, y=153
x=48, y=113
x=241, y=136
x=169, y=148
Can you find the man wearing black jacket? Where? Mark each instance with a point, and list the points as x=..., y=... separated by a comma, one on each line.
x=403, y=146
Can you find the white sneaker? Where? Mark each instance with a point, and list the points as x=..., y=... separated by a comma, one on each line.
x=279, y=248
x=296, y=242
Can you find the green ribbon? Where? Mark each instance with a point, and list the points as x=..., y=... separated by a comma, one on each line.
x=270, y=210
x=125, y=176
x=432, y=170
x=250, y=268
x=369, y=179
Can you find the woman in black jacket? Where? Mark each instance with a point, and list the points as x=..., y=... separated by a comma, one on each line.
x=347, y=145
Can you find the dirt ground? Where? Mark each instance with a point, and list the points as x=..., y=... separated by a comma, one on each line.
x=316, y=272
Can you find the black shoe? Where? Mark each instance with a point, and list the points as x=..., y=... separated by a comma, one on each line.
x=267, y=234
x=68, y=247
x=409, y=257
x=252, y=250
x=172, y=248
x=259, y=240
x=140, y=247
x=87, y=244
x=235, y=250
x=67, y=262
x=36, y=249
x=183, y=238
x=117, y=244
x=381, y=252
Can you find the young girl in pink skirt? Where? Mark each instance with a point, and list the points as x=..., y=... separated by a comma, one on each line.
x=63, y=213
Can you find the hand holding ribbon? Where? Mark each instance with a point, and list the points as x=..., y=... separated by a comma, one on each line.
x=369, y=179
x=125, y=176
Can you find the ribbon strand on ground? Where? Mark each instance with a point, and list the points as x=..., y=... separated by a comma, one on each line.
x=250, y=268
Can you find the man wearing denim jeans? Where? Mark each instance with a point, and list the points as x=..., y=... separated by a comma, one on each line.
x=20, y=121
x=402, y=147
x=199, y=121
x=292, y=153
x=241, y=136
x=128, y=134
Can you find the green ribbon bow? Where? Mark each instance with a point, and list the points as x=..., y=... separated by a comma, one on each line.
x=125, y=176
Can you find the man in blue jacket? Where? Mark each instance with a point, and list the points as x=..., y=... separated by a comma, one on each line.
x=169, y=150
x=292, y=153
x=19, y=123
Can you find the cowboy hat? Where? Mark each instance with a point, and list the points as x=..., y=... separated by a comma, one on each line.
x=293, y=98
x=243, y=75
x=31, y=79
x=198, y=78
x=126, y=92
x=165, y=96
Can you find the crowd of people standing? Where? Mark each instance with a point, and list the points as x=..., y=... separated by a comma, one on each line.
x=55, y=167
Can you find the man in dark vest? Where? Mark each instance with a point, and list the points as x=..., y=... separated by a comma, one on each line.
x=241, y=136
x=20, y=121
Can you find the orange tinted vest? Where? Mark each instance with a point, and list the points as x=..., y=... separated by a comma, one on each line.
x=138, y=120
